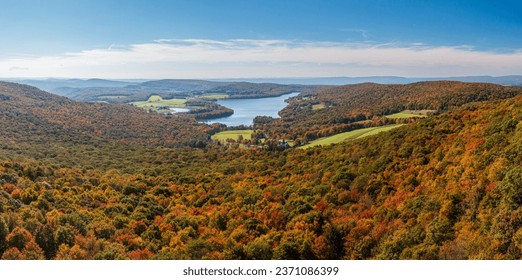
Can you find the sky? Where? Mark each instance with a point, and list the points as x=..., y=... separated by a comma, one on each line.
x=153, y=39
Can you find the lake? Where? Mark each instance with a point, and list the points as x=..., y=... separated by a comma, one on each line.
x=245, y=110
x=179, y=110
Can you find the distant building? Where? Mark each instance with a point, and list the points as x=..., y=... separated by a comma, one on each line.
x=283, y=144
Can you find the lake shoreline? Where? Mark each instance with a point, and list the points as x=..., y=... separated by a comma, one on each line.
x=246, y=109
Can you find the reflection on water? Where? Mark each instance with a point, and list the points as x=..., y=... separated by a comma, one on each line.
x=179, y=110
x=245, y=110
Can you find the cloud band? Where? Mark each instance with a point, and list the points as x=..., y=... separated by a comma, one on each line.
x=242, y=58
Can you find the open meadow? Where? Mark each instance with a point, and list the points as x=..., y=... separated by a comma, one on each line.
x=350, y=135
x=155, y=102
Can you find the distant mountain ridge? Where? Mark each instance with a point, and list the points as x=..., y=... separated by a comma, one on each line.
x=52, y=85
x=511, y=80
x=123, y=91
x=97, y=90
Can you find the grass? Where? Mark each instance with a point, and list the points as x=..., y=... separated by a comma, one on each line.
x=410, y=114
x=319, y=106
x=351, y=135
x=233, y=134
x=155, y=98
x=157, y=101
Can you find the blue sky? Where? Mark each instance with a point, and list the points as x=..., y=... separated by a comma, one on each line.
x=226, y=39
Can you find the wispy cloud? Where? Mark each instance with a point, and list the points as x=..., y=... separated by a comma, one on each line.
x=16, y=68
x=203, y=58
x=363, y=32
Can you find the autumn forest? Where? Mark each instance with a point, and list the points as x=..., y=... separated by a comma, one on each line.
x=93, y=180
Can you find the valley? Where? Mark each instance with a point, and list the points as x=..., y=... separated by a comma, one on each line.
x=247, y=109
x=427, y=170
x=121, y=92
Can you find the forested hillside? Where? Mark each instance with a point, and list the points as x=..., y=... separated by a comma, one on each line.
x=98, y=181
x=178, y=89
x=33, y=115
x=331, y=110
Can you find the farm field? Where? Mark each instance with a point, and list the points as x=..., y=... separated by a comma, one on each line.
x=233, y=134
x=157, y=101
x=319, y=106
x=351, y=135
x=410, y=114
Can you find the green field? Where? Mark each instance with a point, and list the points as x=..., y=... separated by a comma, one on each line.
x=233, y=134
x=351, y=135
x=157, y=101
x=410, y=114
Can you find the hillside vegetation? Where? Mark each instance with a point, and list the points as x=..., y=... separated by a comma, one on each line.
x=99, y=181
x=351, y=135
x=344, y=107
x=42, y=120
x=169, y=89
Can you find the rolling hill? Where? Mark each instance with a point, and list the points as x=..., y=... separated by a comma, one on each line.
x=512, y=80
x=102, y=181
x=124, y=92
x=332, y=110
x=42, y=120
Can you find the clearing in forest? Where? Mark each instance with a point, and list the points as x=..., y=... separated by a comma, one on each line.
x=155, y=101
x=350, y=135
x=233, y=134
x=410, y=114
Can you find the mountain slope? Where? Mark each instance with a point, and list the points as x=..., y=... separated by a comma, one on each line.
x=34, y=117
x=444, y=187
x=331, y=110
x=178, y=89
x=512, y=80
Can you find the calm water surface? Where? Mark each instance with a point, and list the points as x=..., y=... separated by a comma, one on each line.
x=245, y=110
